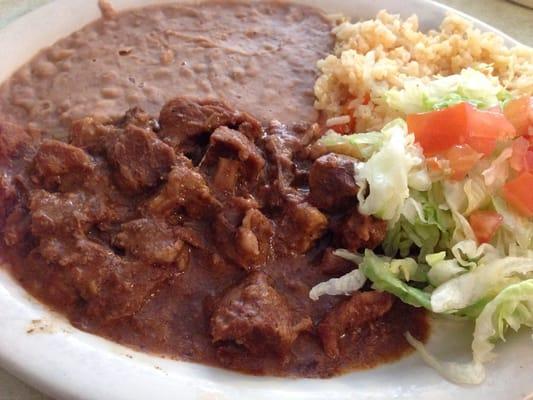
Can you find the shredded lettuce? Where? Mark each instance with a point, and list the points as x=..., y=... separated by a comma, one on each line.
x=359, y=145
x=346, y=284
x=481, y=90
x=498, y=172
x=457, y=201
x=385, y=178
x=442, y=270
x=379, y=271
x=469, y=373
x=511, y=308
x=516, y=230
x=424, y=223
x=483, y=282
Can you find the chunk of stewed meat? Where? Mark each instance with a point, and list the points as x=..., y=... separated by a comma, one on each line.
x=59, y=165
x=227, y=174
x=186, y=123
x=90, y=134
x=58, y=213
x=187, y=190
x=8, y=195
x=248, y=242
x=332, y=182
x=183, y=118
x=140, y=160
x=335, y=265
x=358, y=231
x=116, y=289
x=17, y=226
x=360, y=309
x=280, y=147
x=301, y=226
x=254, y=315
x=138, y=117
x=154, y=242
x=226, y=143
x=13, y=141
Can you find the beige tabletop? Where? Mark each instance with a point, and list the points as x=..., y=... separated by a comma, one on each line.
x=515, y=20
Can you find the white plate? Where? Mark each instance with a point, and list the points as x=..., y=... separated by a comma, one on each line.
x=66, y=363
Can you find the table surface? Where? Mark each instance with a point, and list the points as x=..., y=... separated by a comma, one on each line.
x=512, y=19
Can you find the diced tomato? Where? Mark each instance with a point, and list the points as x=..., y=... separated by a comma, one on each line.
x=518, y=158
x=437, y=131
x=519, y=112
x=462, y=158
x=519, y=193
x=485, y=224
x=486, y=128
x=484, y=145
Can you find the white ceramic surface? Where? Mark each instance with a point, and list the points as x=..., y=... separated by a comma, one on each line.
x=44, y=350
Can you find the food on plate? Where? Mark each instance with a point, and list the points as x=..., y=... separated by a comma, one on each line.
x=194, y=224
x=445, y=159
x=176, y=186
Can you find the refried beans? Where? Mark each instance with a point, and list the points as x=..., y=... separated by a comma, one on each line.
x=259, y=59
x=161, y=186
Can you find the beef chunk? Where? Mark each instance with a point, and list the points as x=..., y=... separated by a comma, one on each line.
x=61, y=165
x=254, y=315
x=334, y=265
x=301, y=226
x=140, y=159
x=280, y=148
x=332, y=182
x=153, y=242
x=357, y=231
x=183, y=118
x=115, y=289
x=90, y=134
x=358, y=310
x=228, y=144
x=247, y=244
x=136, y=116
x=17, y=226
x=186, y=190
x=227, y=174
x=185, y=122
x=72, y=213
x=8, y=195
x=58, y=213
x=13, y=141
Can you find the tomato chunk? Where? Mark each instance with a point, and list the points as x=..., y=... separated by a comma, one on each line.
x=486, y=128
x=519, y=193
x=485, y=224
x=519, y=112
x=437, y=131
x=462, y=158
